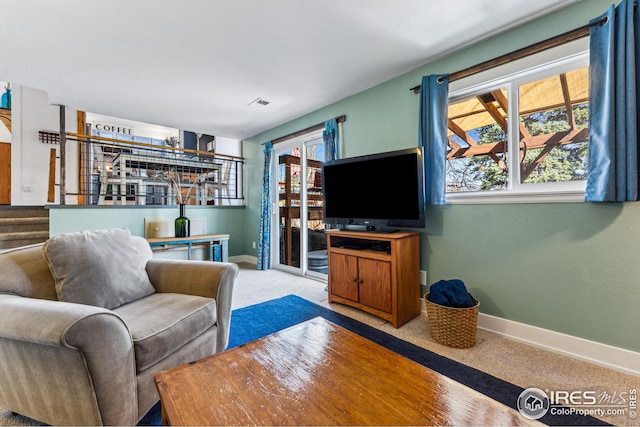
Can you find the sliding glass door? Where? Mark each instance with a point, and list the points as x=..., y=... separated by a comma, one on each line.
x=300, y=242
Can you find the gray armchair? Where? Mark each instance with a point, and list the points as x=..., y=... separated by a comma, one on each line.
x=65, y=363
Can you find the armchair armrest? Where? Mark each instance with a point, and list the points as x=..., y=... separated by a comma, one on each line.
x=203, y=278
x=53, y=353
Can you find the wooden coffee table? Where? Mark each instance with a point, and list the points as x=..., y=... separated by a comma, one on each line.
x=318, y=373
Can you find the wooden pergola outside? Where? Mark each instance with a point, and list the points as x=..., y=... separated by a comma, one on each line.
x=563, y=91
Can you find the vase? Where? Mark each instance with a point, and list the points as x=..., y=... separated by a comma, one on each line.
x=182, y=224
x=6, y=99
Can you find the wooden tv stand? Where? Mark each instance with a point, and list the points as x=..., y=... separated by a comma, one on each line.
x=376, y=272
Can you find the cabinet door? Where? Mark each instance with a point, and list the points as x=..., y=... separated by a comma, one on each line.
x=343, y=276
x=375, y=284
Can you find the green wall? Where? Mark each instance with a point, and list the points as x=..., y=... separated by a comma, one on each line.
x=224, y=220
x=567, y=267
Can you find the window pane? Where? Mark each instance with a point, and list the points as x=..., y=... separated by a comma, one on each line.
x=554, y=128
x=317, y=241
x=289, y=205
x=477, y=139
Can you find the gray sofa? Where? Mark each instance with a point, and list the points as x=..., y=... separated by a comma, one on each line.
x=67, y=363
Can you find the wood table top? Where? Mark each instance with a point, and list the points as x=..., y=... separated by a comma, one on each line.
x=318, y=373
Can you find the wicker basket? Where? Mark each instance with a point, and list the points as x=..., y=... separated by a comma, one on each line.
x=454, y=327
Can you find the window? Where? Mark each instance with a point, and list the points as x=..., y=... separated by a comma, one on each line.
x=522, y=137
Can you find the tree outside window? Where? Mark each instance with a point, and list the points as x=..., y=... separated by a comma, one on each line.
x=551, y=138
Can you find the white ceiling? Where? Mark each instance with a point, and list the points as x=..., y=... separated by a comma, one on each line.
x=198, y=64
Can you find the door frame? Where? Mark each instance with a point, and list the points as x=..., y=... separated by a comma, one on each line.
x=301, y=142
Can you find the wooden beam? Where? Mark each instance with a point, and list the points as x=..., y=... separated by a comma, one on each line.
x=500, y=99
x=454, y=145
x=567, y=100
x=84, y=171
x=493, y=111
x=498, y=160
x=461, y=133
x=524, y=173
x=539, y=141
x=51, y=193
x=561, y=138
x=472, y=142
x=469, y=140
x=503, y=103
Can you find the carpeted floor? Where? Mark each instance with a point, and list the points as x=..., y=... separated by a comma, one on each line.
x=497, y=366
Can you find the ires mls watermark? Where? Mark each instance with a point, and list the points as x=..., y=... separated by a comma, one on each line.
x=534, y=403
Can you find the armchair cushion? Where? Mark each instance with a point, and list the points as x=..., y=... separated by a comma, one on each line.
x=102, y=268
x=163, y=323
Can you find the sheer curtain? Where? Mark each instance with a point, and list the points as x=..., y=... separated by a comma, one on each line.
x=331, y=138
x=613, y=105
x=432, y=135
x=264, y=246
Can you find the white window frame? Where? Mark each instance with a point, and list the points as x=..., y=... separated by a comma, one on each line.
x=568, y=57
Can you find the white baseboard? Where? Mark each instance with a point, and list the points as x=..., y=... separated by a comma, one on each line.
x=616, y=358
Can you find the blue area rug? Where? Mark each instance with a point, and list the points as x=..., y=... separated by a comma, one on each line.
x=257, y=321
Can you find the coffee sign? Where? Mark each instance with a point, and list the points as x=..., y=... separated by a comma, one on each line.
x=113, y=128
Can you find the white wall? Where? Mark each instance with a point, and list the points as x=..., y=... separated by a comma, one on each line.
x=139, y=128
x=31, y=112
x=229, y=146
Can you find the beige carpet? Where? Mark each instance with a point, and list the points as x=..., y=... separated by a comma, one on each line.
x=511, y=361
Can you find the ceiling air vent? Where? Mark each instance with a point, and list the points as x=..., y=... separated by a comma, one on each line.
x=259, y=101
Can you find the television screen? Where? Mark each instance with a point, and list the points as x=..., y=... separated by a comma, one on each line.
x=384, y=190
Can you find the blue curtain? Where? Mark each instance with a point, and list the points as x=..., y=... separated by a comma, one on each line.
x=264, y=246
x=432, y=135
x=331, y=140
x=613, y=105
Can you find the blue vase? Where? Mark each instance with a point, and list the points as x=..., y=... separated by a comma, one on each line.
x=182, y=224
x=6, y=99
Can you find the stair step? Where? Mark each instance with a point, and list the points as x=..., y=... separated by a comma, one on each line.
x=23, y=221
x=10, y=244
x=23, y=225
x=23, y=211
x=24, y=235
x=14, y=225
x=14, y=240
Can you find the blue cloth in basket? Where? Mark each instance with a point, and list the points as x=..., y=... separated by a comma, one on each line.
x=451, y=293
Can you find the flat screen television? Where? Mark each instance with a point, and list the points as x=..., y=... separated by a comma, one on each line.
x=380, y=190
